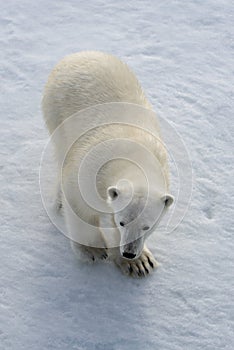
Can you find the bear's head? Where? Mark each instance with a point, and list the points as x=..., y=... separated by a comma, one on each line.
x=136, y=214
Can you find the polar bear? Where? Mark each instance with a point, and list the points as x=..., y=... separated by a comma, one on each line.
x=81, y=81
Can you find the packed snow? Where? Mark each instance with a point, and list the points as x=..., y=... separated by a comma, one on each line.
x=182, y=53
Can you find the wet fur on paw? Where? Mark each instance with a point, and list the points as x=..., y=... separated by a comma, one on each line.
x=140, y=267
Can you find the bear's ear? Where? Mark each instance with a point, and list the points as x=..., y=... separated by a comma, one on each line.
x=168, y=199
x=112, y=193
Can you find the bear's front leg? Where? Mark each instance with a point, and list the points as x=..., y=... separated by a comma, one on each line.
x=139, y=267
x=57, y=202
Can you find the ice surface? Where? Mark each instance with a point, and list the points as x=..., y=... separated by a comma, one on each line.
x=182, y=53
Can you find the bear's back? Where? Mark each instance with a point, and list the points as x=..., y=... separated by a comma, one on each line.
x=86, y=79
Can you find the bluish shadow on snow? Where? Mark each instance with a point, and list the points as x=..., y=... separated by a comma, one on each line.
x=93, y=306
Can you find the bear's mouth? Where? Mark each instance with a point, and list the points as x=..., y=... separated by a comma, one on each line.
x=132, y=250
x=129, y=256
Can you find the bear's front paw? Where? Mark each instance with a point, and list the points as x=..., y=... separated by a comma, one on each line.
x=94, y=254
x=89, y=254
x=139, y=267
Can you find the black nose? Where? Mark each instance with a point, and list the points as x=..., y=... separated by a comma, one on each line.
x=129, y=255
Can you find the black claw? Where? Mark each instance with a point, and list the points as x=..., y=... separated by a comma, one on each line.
x=140, y=273
x=147, y=271
x=150, y=262
x=130, y=269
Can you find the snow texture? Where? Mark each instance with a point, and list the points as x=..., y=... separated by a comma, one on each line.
x=182, y=53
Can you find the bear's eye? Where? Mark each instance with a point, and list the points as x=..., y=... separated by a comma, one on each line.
x=145, y=228
x=122, y=223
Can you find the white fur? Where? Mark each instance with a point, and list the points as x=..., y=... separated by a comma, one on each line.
x=83, y=80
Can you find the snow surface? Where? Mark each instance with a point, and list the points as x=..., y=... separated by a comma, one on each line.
x=182, y=53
